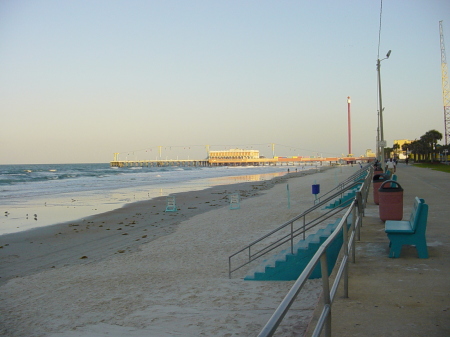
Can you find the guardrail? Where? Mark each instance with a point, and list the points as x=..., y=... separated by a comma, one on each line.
x=299, y=225
x=356, y=210
x=350, y=180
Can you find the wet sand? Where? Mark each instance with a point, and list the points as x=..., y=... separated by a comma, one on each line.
x=141, y=271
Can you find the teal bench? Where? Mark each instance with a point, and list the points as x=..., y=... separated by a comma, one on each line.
x=410, y=232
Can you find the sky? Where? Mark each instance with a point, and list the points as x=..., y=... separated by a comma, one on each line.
x=82, y=80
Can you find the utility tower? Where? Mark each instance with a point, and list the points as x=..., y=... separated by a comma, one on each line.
x=445, y=87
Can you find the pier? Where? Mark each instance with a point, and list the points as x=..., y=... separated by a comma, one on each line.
x=238, y=157
x=276, y=161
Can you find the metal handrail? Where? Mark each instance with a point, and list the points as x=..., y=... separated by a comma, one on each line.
x=253, y=255
x=342, y=185
x=356, y=210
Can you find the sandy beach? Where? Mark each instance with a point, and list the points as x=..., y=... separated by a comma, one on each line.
x=140, y=271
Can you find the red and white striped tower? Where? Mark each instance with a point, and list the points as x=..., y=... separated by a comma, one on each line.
x=349, y=127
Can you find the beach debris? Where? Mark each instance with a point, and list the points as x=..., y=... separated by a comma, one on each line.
x=121, y=251
x=6, y=213
x=119, y=229
x=84, y=257
x=124, y=233
x=144, y=236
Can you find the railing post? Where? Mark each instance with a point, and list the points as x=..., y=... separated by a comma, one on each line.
x=355, y=229
x=345, y=245
x=360, y=206
x=326, y=292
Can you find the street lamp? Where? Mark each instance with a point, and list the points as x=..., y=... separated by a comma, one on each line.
x=382, y=141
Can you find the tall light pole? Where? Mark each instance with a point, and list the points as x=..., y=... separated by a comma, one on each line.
x=349, y=126
x=382, y=141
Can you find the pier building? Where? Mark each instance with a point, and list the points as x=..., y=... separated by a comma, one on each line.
x=234, y=154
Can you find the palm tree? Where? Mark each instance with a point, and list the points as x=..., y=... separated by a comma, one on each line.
x=433, y=137
x=413, y=146
x=406, y=147
x=387, y=152
x=418, y=149
x=395, y=148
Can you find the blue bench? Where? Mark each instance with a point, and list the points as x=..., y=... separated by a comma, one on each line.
x=410, y=232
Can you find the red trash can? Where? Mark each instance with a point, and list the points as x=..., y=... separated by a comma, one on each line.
x=390, y=196
x=377, y=180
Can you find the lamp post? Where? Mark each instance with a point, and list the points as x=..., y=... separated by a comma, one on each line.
x=382, y=142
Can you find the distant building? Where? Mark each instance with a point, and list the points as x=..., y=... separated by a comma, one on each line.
x=370, y=154
x=234, y=154
x=400, y=153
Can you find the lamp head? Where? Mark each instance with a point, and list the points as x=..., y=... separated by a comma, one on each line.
x=388, y=54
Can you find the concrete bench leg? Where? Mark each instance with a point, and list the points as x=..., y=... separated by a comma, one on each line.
x=422, y=250
x=395, y=250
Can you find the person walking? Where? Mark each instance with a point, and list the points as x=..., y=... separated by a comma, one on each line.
x=391, y=165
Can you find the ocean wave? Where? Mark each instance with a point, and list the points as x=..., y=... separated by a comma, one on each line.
x=35, y=181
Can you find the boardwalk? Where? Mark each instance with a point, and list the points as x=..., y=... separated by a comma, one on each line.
x=406, y=296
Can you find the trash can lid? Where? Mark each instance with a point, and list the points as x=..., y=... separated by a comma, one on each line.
x=378, y=177
x=394, y=187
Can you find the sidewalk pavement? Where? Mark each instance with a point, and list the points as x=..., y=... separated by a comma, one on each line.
x=405, y=296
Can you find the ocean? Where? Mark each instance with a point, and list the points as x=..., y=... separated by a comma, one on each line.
x=40, y=195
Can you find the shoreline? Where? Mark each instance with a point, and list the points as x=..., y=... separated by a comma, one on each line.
x=65, y=207
x=123, y=230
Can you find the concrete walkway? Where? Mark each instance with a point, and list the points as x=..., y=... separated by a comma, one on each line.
x=406, y=296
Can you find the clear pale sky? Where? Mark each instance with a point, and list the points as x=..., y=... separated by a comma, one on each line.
x=81, y=80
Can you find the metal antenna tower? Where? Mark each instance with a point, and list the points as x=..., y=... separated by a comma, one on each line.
x=445, y=87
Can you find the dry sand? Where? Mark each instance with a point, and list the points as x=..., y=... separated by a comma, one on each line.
x=140, y=271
